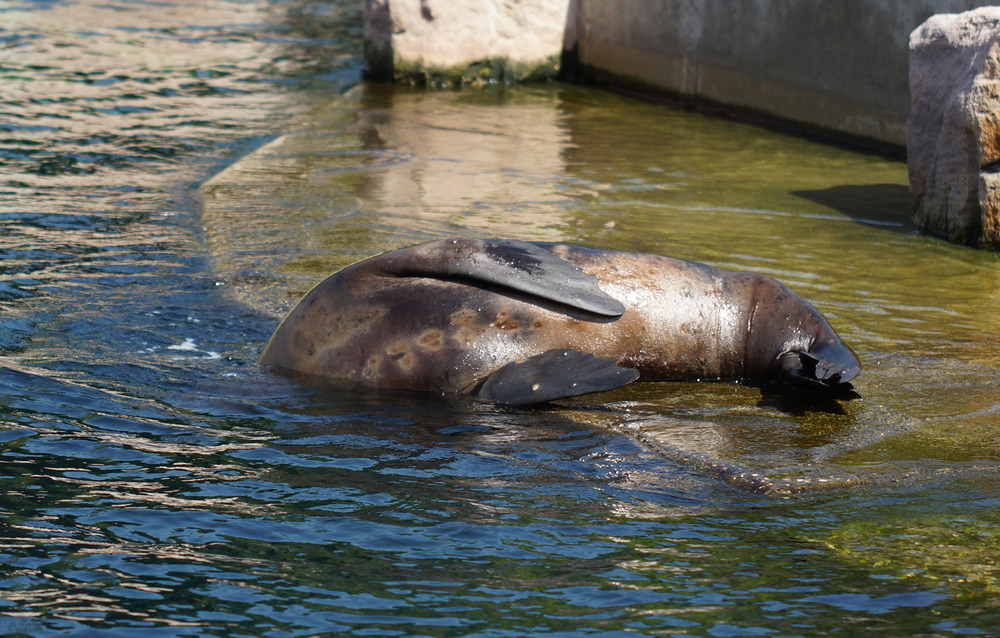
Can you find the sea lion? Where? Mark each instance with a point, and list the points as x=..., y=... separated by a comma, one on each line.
x=522, y=322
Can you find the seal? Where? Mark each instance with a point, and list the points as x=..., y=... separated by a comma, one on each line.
x=521, y=322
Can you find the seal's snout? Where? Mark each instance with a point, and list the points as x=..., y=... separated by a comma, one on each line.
x=825, y=365
x=835, y=362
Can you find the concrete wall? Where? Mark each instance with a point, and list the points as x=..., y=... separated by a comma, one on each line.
x=837, y=65
x=444, y=43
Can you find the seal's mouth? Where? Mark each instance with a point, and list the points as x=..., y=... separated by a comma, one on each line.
x=815, y=370
x=825, y=367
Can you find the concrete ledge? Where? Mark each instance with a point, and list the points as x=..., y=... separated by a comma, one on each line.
x=839, y=67
x=836, y=67
x=728, y=89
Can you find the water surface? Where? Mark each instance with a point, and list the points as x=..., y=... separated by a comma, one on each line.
x=175, y=175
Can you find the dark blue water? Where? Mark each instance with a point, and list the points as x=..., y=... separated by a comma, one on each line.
x=153, y=480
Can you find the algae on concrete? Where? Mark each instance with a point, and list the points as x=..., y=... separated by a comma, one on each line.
x=495, y=70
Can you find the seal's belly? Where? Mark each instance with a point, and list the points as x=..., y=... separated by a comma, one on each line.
x=433, y=334
x=426, y=333
x=683, y=320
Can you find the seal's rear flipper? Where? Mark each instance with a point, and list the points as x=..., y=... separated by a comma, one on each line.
x=554, y=374
x=504, y=264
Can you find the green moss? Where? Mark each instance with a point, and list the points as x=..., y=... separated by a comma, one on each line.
x=941, y=550
x=480, y=73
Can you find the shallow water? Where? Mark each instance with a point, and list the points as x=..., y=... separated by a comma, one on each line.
x=175, y=175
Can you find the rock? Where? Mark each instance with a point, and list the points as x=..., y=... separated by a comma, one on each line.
x=989, y=198
x=953, y=131
x=456, y=42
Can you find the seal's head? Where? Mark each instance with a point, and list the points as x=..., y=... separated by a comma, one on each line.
x=789, y=340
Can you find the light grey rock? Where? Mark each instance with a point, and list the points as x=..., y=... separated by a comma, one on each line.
x=449, y=42
x=953, y=131
x=989, y=198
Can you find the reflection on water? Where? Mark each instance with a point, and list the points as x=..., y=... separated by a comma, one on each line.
x=493, y=163
x=154, y=480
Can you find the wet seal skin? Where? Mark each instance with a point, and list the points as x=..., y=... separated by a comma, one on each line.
x=521, y=323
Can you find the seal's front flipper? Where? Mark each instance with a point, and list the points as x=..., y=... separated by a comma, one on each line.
x=554, y=374
x=504, y=263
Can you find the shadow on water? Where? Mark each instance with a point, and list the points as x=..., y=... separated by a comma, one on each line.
x=887, y=206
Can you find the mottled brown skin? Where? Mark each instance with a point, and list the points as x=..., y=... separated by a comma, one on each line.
x=373, y=323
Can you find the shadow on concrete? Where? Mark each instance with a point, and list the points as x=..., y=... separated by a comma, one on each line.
x=887, y=206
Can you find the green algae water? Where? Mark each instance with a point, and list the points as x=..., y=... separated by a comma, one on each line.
x=176, y=175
